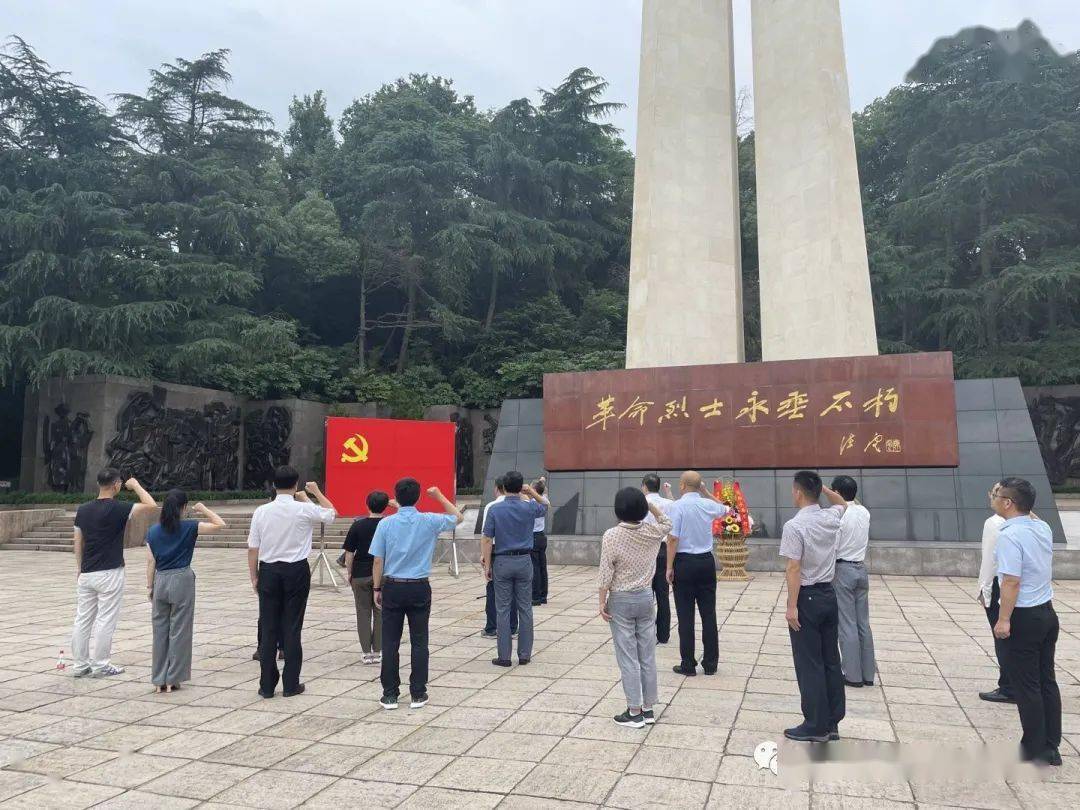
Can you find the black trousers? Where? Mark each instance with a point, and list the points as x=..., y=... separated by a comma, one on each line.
x=283, y=596
x=491, y=618
x=663, y=605
x=816, y=649
x=540, y=572
x=401, y=601
x=1029, y=659
x=992, y=611
x=695, y=586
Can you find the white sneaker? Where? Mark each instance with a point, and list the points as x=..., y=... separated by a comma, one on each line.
x=108, y=670
x=82, y=673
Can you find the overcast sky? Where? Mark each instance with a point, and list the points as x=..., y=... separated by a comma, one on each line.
x=495, y=50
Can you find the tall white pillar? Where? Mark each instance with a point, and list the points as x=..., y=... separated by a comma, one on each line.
x=685, y=281
x=815, y=280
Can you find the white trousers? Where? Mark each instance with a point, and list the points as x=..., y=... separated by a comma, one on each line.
x=98, y=598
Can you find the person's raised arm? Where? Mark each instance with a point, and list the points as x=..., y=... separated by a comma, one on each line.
x=146, y=500
x=313, y=488
x=448, y=507
x=213, y=522
x=834, y=497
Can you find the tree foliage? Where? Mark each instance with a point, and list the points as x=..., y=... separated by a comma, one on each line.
x=419, y=250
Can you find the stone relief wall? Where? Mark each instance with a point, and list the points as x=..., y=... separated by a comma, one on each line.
x=172, y=447
x=1057, y=426
x=64, y=443
x=266, y=433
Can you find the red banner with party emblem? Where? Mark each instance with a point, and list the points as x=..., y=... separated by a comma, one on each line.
x=369, y=454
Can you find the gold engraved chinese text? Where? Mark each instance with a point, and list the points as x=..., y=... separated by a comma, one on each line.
x=605, y=411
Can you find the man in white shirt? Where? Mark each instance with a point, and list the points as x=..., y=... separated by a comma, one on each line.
x=490, y=619
x=279, y=545
x=852, y=585
x=650, y=485
x=539, y=552
x=990, y=599
x=691, y=568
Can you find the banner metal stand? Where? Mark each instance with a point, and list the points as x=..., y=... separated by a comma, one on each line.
x=322, y=562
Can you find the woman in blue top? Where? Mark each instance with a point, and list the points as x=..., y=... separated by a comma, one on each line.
x=170, y=586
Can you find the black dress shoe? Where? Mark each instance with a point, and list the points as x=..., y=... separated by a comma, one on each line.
x=1053, y=757
x=502, y=662
x=524, y=661
x=997, y=696
x=709, y=671
x=867, y=683
x=255, y=656
x=853, y=684
x=266, y=695
x=298, y=691
x=834, y=733
x=678, y=670
x=802, y=733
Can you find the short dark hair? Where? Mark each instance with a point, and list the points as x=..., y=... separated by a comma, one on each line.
x=651, y=482
x=1019, y=491
x=540, y=487
x=377, y=501
x=630, y=504
x=286, y=477
x=108, y=477
x=513, y=481
x=407, y=492
x=809, y=482
x=846, y=486
x=500, y=483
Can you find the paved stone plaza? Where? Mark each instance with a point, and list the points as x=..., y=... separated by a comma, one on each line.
x=530, y=737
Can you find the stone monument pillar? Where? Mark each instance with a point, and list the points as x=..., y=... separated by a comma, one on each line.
x=685, y=281
x=815, y=280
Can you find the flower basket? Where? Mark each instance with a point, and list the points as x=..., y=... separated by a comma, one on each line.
x=730, y=533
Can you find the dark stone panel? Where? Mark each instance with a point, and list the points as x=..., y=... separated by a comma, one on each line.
x=977, y=426
x=1008, y=395
x=530, y=439
x=885, y=491
x=1022, y=458
x=765, y=524
x=531, y=412
x=530, y=465
x=935, y=524
x=563, y=487
x=971, y=523
x=783, y=515
x=931, y=471
x=974, y=395
x=973, y=490
x=981, y=458
x=506, y=440
x=600, y=492
x=509, y=414
x=566, y=519
x=760, y=492
x=932, y=492
x=889, y=524
x=1015, y=426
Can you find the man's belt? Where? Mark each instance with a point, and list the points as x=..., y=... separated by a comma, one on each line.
x=404, y=579
x=519, y=552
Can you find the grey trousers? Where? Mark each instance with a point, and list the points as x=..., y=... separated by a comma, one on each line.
x=633, y=629
x=370, y=631
x=513, y=586
x=173, y=615
x=852, y=586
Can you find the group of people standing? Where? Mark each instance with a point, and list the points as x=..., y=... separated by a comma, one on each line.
x=659, y=541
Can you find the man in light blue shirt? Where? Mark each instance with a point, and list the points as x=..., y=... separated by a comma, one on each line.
x=691, y=568
x=402, y=547
x=1026, y=619
x=506, y=555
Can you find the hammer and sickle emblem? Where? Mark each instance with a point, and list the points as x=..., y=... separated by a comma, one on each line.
x=356, y=450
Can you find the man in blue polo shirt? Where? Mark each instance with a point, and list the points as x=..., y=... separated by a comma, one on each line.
x=509, y=524
x=1026, y=619
x=402, y=548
